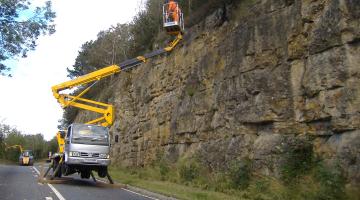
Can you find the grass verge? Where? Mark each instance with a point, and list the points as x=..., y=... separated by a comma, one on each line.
x=167, y=188
x=7, y=162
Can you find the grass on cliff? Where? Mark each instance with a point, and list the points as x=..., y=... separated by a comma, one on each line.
x=149, y=179
x=189, y=180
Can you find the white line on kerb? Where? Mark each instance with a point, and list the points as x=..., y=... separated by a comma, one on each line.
x=57, y=193
x=133, y=192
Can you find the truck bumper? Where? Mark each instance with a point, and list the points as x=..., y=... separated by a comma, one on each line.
x=87, y=161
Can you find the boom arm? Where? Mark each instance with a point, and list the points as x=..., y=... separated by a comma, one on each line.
x=60, y=135
x=106, y=110
x=15, y=146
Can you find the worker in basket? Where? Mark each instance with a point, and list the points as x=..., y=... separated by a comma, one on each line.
x=173, y=11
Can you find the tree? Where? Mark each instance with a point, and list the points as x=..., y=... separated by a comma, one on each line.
x=111, y=47
x=2, y=146
x=52, y=145
x=11, y=136
x=20, y=27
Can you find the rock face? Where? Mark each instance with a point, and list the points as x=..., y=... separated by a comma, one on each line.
x=248, y=82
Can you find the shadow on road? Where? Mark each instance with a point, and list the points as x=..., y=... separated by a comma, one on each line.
x=76, y=181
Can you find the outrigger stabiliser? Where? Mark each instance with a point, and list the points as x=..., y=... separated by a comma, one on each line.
x=56, y=166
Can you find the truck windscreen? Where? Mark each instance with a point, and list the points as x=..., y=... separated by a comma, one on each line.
x=90, y=134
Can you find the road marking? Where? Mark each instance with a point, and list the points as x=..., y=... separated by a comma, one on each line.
x=132, y=191
x=139, y=194
x=37, y=171
x=57, y=193
x=48, y=198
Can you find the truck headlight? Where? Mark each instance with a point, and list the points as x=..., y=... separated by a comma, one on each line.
x=104, y=155
x=74, y=154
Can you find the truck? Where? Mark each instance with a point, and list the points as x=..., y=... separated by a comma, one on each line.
x=26, y=156
x=84, y=148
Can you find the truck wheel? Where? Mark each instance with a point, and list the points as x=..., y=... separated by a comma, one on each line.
x=102, y=172
x=85, y=174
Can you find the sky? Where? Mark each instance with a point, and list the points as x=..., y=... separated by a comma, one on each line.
x=26, y=100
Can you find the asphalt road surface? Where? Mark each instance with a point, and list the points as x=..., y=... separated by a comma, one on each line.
x=21, y=183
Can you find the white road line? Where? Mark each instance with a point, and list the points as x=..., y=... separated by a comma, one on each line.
x=37, y=171
x=132, y=191
x=57, y=193
x=139, y=194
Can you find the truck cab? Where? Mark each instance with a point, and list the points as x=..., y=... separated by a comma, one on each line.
x=86, y=149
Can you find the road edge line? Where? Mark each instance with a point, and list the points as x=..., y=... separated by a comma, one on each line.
x=139, y=194
x=57, y=193
x=131, y=191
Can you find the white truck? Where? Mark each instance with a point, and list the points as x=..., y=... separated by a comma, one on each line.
x=83, y=148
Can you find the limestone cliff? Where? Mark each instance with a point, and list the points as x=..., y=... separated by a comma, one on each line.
x=251, y=81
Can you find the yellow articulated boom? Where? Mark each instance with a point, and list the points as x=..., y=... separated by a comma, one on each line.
x=173, y=23
x=106, y=110
x=15, y=146
x=60, y=135
x=88, y=145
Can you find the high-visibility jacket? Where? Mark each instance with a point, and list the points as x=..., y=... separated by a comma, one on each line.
x=173, y=11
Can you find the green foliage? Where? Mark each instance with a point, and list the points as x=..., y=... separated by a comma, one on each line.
x=331, y=183
x=69, y=116
x=125, y=41
x=19, y=31
x=298, y=160
x=130, y=40
x=190, y=91
x=111, y=47
x=164, y=169
x=240, y=174
x=262, y=185
x=322, y=182
x=36, y=143
x=219, y=181
x=189, y=170
x=145, y=26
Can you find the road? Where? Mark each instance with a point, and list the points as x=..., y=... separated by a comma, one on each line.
x=21, y=183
